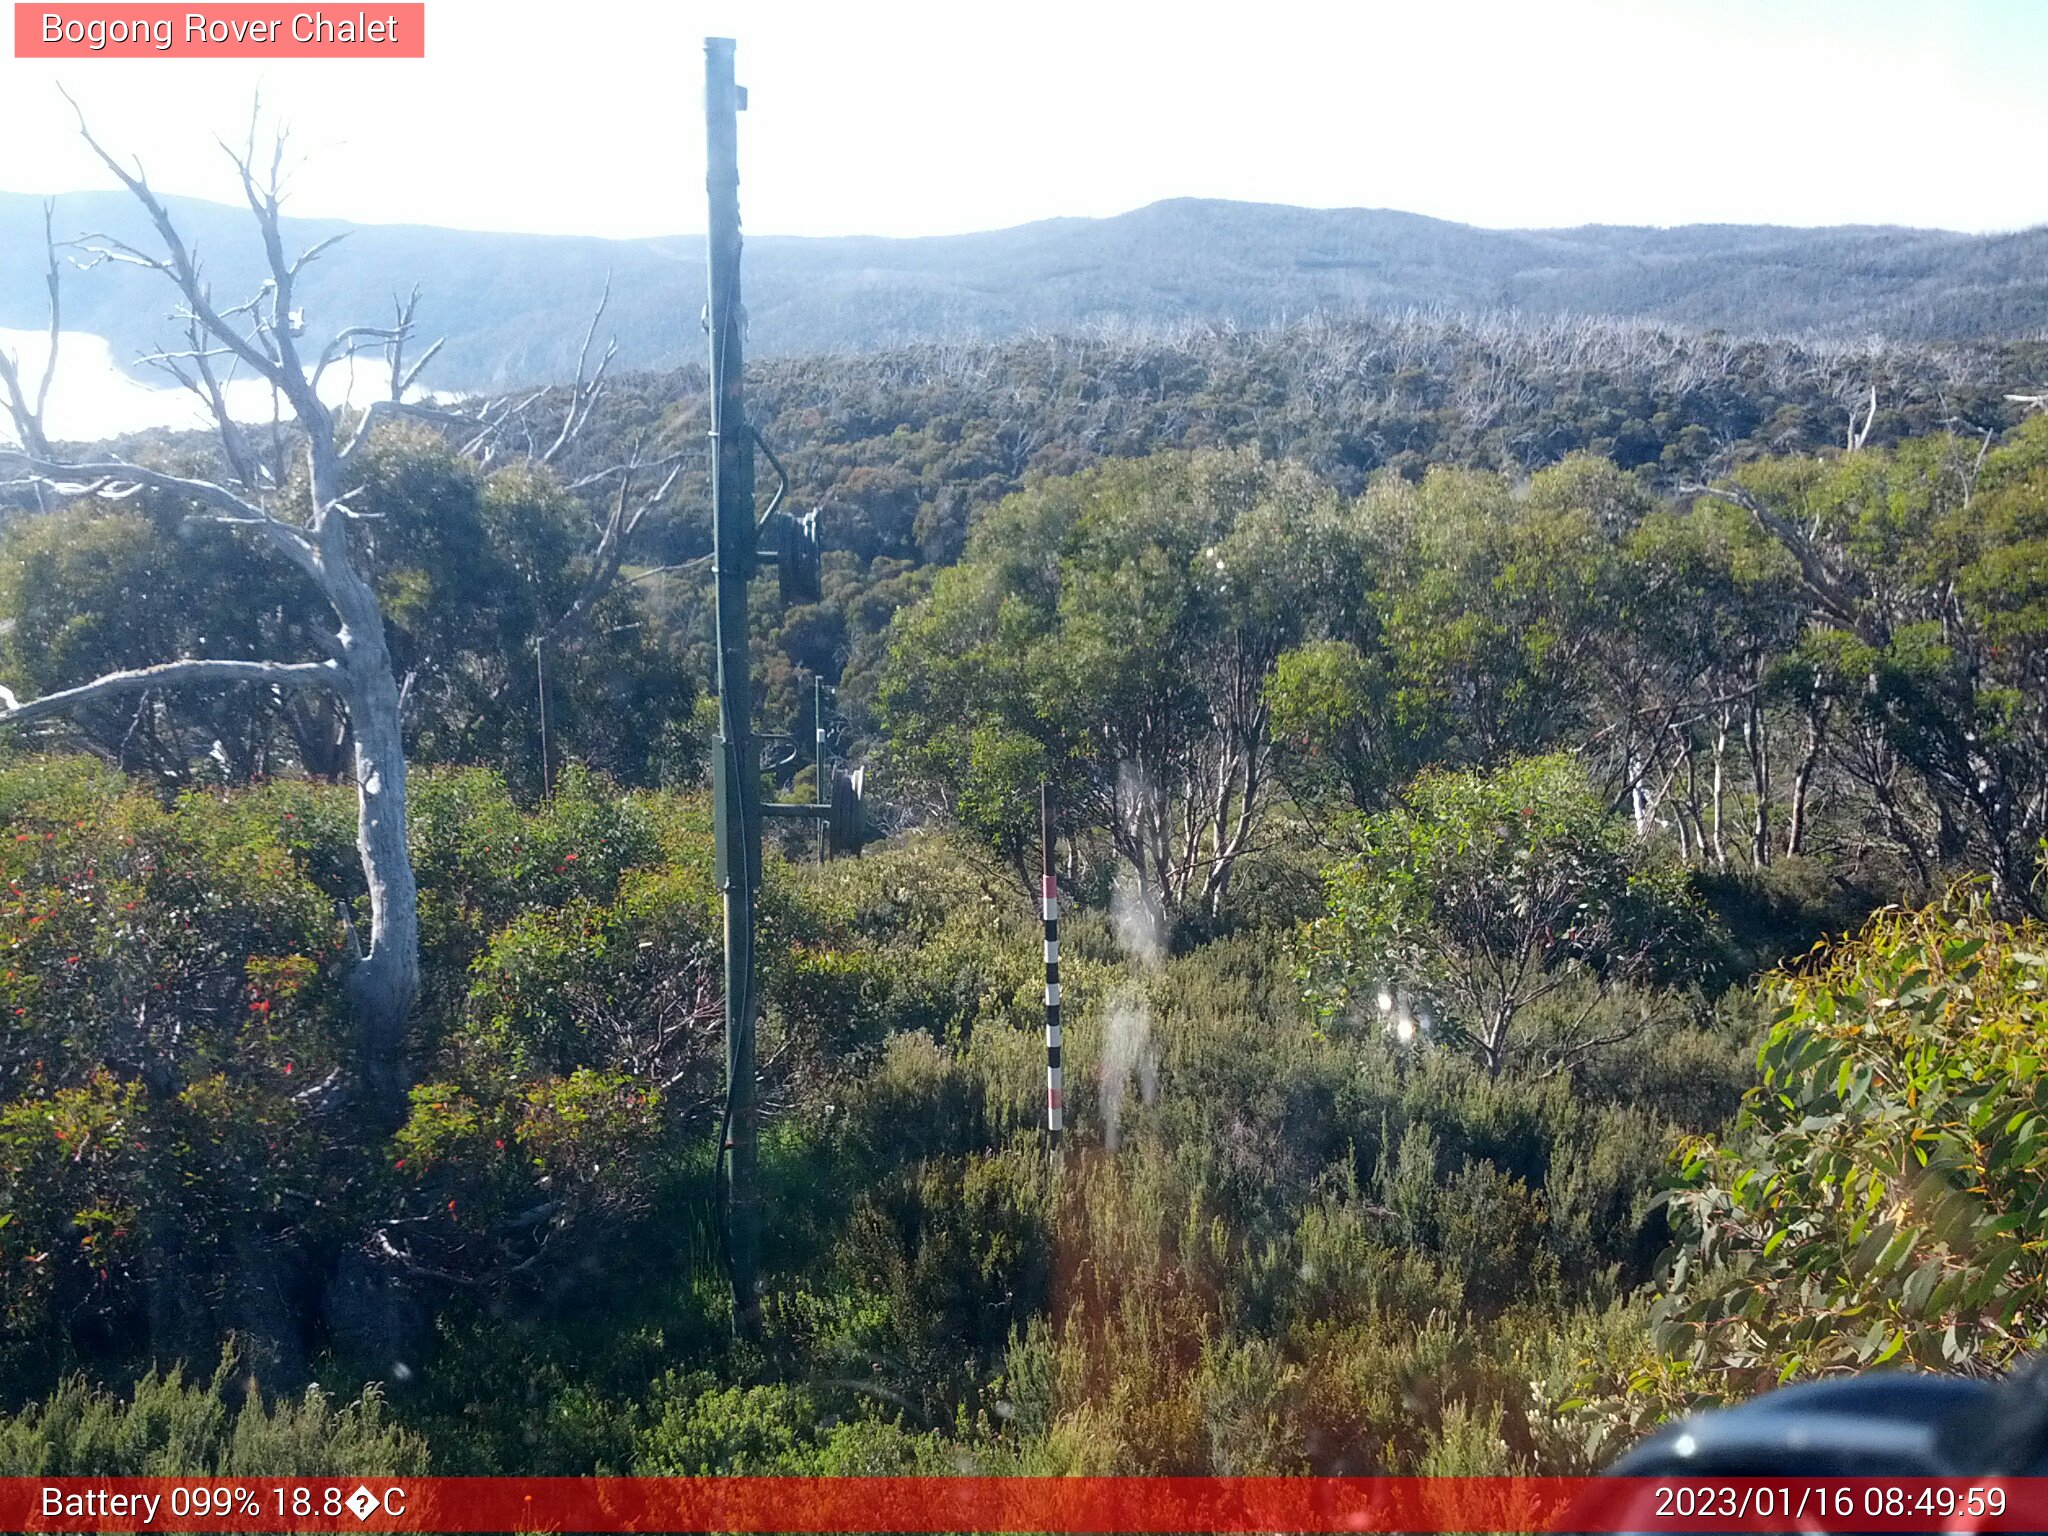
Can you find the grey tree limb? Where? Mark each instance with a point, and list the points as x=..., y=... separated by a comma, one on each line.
x=169, y=674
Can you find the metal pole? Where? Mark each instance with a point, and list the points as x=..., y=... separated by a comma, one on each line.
x=1049, y=899
x=736, y=778
x=820, y=790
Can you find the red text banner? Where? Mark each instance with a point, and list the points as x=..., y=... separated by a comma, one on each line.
x=1002, y=1504
x=220, y=31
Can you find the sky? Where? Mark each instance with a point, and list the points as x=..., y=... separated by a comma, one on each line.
x=875, y=117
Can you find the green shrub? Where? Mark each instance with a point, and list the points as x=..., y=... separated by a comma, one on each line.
x=170, y=1427
x=701, y=1428
x=1882, y=1195
x=1486, y=892
x=171, y=986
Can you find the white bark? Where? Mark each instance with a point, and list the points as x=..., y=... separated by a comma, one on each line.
x=307, y=522
x=313, y=535
x=170, y=674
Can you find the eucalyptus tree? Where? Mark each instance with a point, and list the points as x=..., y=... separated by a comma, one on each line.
x=1115, y=633
x=1487, y=895
x=293, y=487
x=1919, y=571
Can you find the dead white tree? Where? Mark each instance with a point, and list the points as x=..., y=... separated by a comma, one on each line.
x=26, y=410
x=305, y=522
x=1858, y=436
x=305, y=519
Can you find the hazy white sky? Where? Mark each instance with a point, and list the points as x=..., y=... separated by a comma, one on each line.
x=870, y=116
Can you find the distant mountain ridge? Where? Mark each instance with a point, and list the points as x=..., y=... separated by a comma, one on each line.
x=514, y=306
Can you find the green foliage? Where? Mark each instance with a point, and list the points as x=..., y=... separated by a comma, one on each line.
x=1310, y=1249
x=172, y=979
x=168, y=981
x=1484, y=896
x=1240, y=1285
x=1490, y=609
x=1920, y=591
x=1330, y=707
x=473, y=574
x=1879, y=1198
x=1770, y=916
x=1112, y=634
x=171, y=1427
x=701, y=1428
x=1284, y=1238
x=86, y=590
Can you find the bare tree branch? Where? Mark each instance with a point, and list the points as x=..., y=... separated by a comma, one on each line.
x=1858, y=436
x=313, y=252
x=352, y=341
x=276, y=674
x=384, y=982
x=206, y=384
x=180, y=264
x=28, y=419
x=50, y=282
x=384, y=410
x=619, y=528
x=1824, y=586
x=283, y=324
x=306, y=517
x=402, y=377
x=583, y=396
x=411, y=375
x=667, y=570
x=116, y=479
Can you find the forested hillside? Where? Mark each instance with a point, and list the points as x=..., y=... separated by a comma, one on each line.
x=902, y=449
x=1514, y=783
x=1171, y=263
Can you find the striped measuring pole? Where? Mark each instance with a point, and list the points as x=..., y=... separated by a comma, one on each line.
x=1049, y=904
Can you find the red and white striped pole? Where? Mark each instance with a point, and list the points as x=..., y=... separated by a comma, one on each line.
x=1049, y=900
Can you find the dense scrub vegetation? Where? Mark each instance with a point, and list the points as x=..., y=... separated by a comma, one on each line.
x=905, y=448
x=1456, y=1083
x=529, y=1263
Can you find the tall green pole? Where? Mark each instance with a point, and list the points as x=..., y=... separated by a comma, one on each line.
x=736, y=778
x=821, y=791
